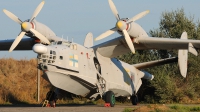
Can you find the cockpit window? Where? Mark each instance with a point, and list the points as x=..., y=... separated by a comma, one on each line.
x=59, y=42
x=53, y=43
x=67, y=44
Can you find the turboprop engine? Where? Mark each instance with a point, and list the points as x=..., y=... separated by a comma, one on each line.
x=127, y=27
x=31, y=28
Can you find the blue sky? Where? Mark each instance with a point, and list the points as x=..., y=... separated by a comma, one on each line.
x=75, y=18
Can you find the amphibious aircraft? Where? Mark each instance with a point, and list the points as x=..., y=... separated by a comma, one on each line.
x=93, y=71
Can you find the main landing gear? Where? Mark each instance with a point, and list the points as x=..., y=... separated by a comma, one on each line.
x=109, y=98
x=134, y=99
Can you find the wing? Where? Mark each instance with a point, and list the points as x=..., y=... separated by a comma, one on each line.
x=118, y=46
x=25, y=44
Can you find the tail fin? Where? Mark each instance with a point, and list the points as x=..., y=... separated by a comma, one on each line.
x=88, y=40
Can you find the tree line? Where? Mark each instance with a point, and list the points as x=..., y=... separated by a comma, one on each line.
x=168, y=86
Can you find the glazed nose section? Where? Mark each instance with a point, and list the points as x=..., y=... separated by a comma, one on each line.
x=40, y=49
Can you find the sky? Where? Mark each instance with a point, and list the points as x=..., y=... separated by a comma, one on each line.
x=75, y=18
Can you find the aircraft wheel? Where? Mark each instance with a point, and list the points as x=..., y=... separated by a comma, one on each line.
x=110, y=98
x=134, y=99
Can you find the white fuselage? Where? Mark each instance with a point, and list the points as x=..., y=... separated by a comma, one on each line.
x=71, y=67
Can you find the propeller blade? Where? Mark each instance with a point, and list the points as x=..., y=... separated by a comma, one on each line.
x=107, y=33
x=37, y=10
x=17, y=40
x=138, y=16
x=40, y=36
x=128, y=41
x=114, y=9
x=12, y=16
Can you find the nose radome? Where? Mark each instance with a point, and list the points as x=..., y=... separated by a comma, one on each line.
x=40, y=49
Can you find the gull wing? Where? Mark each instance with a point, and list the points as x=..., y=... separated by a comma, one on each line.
x=118, y=46
x=24, y=44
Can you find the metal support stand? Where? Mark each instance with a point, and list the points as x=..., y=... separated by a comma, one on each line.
x=38, y=82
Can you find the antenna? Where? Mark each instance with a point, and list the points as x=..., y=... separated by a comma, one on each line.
x=72, y=39
x=67, y=38
x=62, y=38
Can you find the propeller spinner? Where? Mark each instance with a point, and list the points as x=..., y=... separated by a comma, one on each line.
x=26, y=26
x=121, y=25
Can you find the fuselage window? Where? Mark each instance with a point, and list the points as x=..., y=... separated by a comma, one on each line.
x=54, y=57
x=61, y=57
x=54, y=52
x=50, y=51
x=44, y=60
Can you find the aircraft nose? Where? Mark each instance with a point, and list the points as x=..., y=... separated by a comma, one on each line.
x=40, y=49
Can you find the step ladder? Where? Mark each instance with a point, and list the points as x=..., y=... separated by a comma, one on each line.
x=45, y=103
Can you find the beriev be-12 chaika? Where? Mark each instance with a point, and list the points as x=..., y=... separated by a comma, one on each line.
x=93, y=71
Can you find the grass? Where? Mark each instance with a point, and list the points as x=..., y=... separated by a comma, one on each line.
x=166, y=108
x=185, y=108
x=18, y=82
x=128, y=110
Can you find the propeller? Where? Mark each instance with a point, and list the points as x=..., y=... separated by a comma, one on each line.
x=121, y=25
x=26, y=26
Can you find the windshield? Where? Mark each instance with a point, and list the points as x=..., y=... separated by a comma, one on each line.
x=61, y=43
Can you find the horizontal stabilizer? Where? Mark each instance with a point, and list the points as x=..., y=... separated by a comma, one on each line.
x=155, y=63
x=192, y=50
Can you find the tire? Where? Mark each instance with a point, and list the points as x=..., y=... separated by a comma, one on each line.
x=110, y=98
x=134, y=99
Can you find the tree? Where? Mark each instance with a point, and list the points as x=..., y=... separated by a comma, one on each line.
x=175, y=88
x=168, y=85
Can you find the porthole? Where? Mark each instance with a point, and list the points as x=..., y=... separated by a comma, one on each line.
x=54, y=52
x=61, y=57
